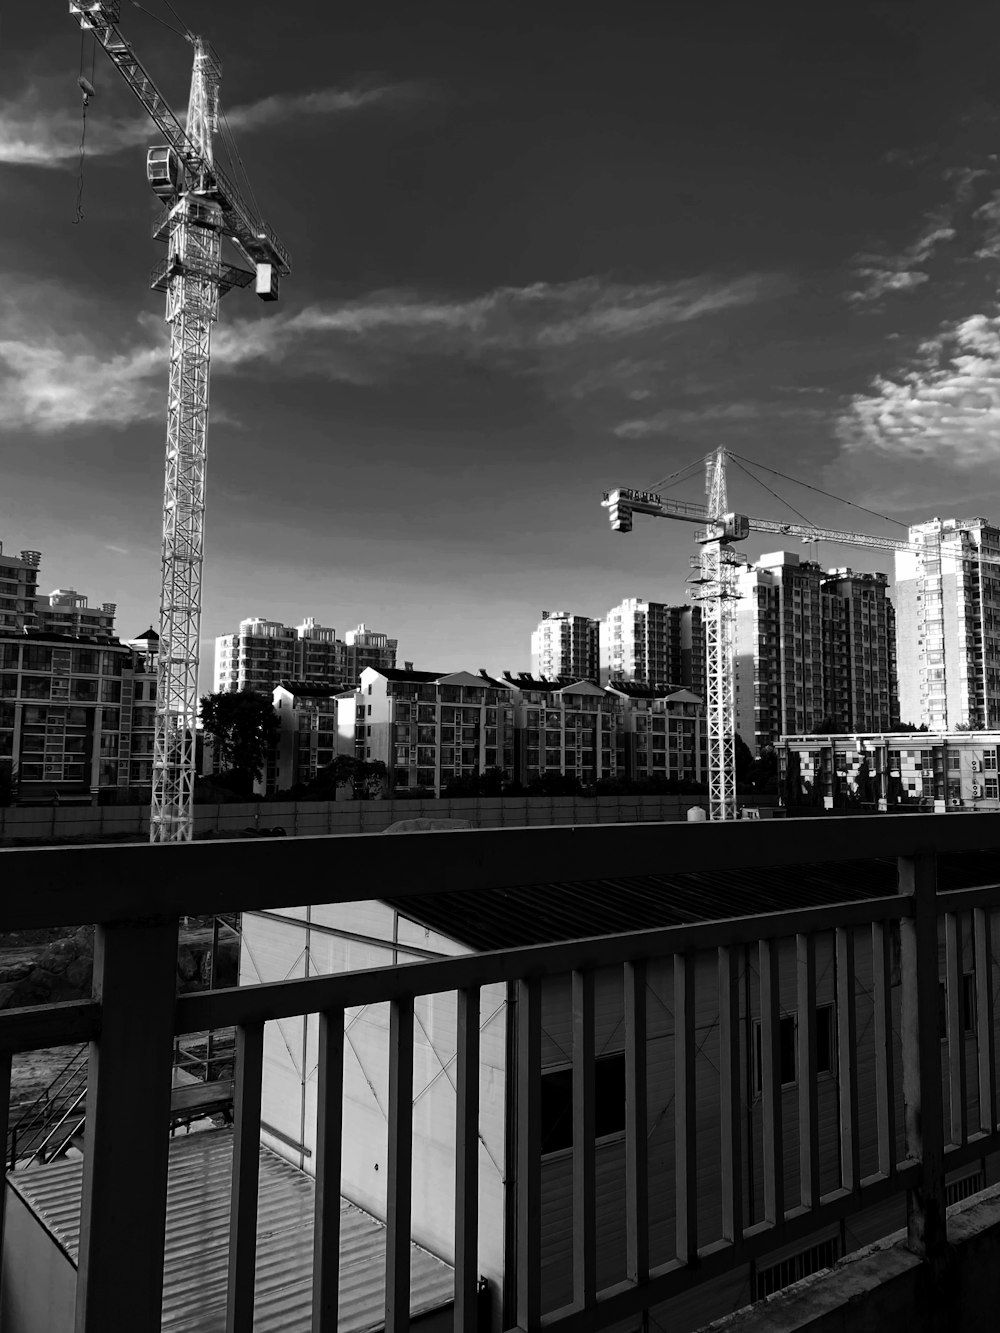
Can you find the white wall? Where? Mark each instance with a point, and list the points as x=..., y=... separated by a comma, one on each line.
x=274, y=949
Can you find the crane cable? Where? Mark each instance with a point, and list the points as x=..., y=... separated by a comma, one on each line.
x=798, y=513
x=675, y=477
x=87, y=88
x=839, y=498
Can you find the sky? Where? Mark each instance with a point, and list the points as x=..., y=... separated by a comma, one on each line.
x=538, y=251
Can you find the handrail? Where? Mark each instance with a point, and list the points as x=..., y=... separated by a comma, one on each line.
x=241, y=1005
x=137, y=1023
x=39, y=1151
x=197, y=879
x=33, y=1110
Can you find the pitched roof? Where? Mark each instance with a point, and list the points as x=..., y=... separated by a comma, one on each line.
x=640, y=689
x=311, y=689
x=150, y=635
x=523, y=680
x=546, y=913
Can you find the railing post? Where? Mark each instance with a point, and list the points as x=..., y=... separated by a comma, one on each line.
x=923, y=1106
x=123, y=1211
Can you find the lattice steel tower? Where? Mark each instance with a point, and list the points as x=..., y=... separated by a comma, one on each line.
x=203, y=207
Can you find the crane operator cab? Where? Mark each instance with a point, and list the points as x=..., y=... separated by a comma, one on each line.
x=729, y=528
x=165, y=172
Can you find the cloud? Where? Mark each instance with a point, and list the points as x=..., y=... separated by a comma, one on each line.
x=38, y=128
x=53, y=376
x=536, y=320
x=672, y=417
x=945, y=407
x=882, y=274
x=283, y=107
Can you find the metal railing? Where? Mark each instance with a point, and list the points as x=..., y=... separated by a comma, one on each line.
x=934, y=1106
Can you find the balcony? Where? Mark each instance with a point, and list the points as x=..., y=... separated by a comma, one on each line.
x=883, y=1085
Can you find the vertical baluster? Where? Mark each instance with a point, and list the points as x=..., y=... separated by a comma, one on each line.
x=5, y=1064
x=985, y=1035
x=955, y=991
x=923, y=1108
x=636, y=1171
x=124, y=1203
x=885, y=1077
x=685, y=1111
x=329, y=1152
x=770, y=1050
x=529, y=1154
x=399, y=1182
x=805, y=959
x=246, y=1173
x=467, y=1160
x=729, y=1093
x=584, y=1170
x=847, y=1027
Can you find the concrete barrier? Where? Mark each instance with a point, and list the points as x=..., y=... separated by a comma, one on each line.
x=41, y=824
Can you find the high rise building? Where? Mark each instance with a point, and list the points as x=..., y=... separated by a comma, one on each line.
x=18, y=589
x=363, y=648
x=318, y=653
x=256, y=657
x=813, y=648
x=263, y=652
x=65, y=611
x=948, y=612
x=859, y=651
x=565, y=645
x=653, y=644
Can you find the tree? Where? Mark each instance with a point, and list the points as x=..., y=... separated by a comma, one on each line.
x=365, y=777
x=829, y=726
x=792, y=786
x=241, y=725
x=743, y=759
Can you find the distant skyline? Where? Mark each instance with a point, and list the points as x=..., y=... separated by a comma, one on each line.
x=537, y=252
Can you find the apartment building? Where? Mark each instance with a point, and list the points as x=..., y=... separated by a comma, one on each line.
x=364, y=648
x=256, y=657
x=18, y=589
x=939, y=771
x=65, y=611
x=653, y=643
x=811, y=645
x=307, y=736
x=567, y=728
x=566, y=645
x=948, y=610
x=263, y=652
x=859, y=651
x=77, y=716
x=665, y=733
x=430, y=727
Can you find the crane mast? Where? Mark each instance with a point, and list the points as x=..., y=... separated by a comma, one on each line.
x=717, y=591
x=202, y=206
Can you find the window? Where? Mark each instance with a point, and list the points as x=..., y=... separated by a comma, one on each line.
x=35, y=687
x=557, y=1102
x=990, y=760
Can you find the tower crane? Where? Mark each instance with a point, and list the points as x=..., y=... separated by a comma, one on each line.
x=202, y=205
x=718, y=593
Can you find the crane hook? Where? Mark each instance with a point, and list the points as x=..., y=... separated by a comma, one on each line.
x=87, y=88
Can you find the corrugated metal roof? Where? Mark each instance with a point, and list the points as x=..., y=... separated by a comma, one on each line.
x=545, y=913
x=196, y=1253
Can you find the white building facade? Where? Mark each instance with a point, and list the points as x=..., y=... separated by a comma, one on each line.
x=565, y=644
x=654, y=644
x=263, y=652
x=948, y=605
